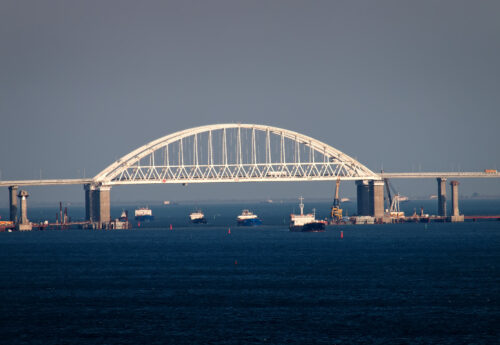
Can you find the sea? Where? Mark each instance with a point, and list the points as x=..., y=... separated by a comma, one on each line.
x=436, y=283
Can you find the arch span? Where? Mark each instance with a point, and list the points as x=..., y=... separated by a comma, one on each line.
x=233, y=153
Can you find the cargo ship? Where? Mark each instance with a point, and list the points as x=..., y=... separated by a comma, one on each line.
x=198, y=217
x=144, y=214
x=305, y=222
x=247, y=218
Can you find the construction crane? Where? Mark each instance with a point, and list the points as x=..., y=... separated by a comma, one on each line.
x=394, y=210
x=386, y=182
x=336, y=213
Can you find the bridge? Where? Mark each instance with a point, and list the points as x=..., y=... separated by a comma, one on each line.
x=237, y=152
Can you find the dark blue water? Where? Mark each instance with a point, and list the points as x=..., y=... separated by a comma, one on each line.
x=383, y=284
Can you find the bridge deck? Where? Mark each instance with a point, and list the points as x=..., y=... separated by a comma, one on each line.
x=49, y=182
x=440, y=175
x=406, y=175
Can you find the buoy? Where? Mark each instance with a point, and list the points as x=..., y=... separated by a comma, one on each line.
x=235, y=262
x=170, y=226
x=229, y=231
x=139, y=224
x=341, y=234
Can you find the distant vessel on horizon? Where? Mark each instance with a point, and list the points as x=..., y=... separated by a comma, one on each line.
x=401, y=198
x=144, y=214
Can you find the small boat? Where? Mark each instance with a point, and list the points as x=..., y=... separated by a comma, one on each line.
x=401, y=198
x=247, y=218
x=197, y=217
x=144, y=214
x=305, y=222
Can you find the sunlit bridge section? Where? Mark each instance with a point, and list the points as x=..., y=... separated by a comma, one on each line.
x=233, y=153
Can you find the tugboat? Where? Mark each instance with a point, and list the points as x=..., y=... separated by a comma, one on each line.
x=305, y=222
x=247, y=218
x=144, y=214
x=198, y=217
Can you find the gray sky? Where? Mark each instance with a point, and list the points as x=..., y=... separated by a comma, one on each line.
x=407, y=85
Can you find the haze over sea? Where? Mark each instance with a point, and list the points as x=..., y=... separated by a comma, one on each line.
x=406, y=283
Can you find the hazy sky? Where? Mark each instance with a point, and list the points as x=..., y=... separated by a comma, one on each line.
x=407, y=85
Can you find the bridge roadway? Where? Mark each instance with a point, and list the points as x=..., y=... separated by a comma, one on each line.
x=405, y=175
x=49, y=182
x=439, y=175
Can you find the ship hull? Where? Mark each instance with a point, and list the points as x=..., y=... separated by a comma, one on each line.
x=199, y=221
x=309, y=227
x=144, y=218
x=249, y=222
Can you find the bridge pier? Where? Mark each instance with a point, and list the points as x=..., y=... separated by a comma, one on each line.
x=104, y=205
x=441, y=196
x=24, y=224
x=370, y=198
x=377, y=199
x=455, y=214
x=97, y=204
x=89, y=205
x=13, y=203
x=363, y=197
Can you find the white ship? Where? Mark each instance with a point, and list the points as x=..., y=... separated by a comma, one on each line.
x=197, y=217
x=305, y=222
x=144, y=214
x=401, y=198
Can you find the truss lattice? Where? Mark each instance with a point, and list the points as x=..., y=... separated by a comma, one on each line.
x=233, y=153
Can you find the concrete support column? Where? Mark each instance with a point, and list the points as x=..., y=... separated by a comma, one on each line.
x=454, y=198
x=363, y=197
x=94, y=205
x=455, y=215
x=13, y=203
x=89, y=205
x=103, y=204
x=24, y=223
x=377, y=199
x=441, y=196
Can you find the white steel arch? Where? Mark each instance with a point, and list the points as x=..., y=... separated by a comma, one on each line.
x=233, y=153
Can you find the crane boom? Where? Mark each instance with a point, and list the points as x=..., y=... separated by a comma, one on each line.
x=386, y=182
x=336, y=201
x=336, y=213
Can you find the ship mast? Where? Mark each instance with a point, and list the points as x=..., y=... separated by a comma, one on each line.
x=301, y=206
